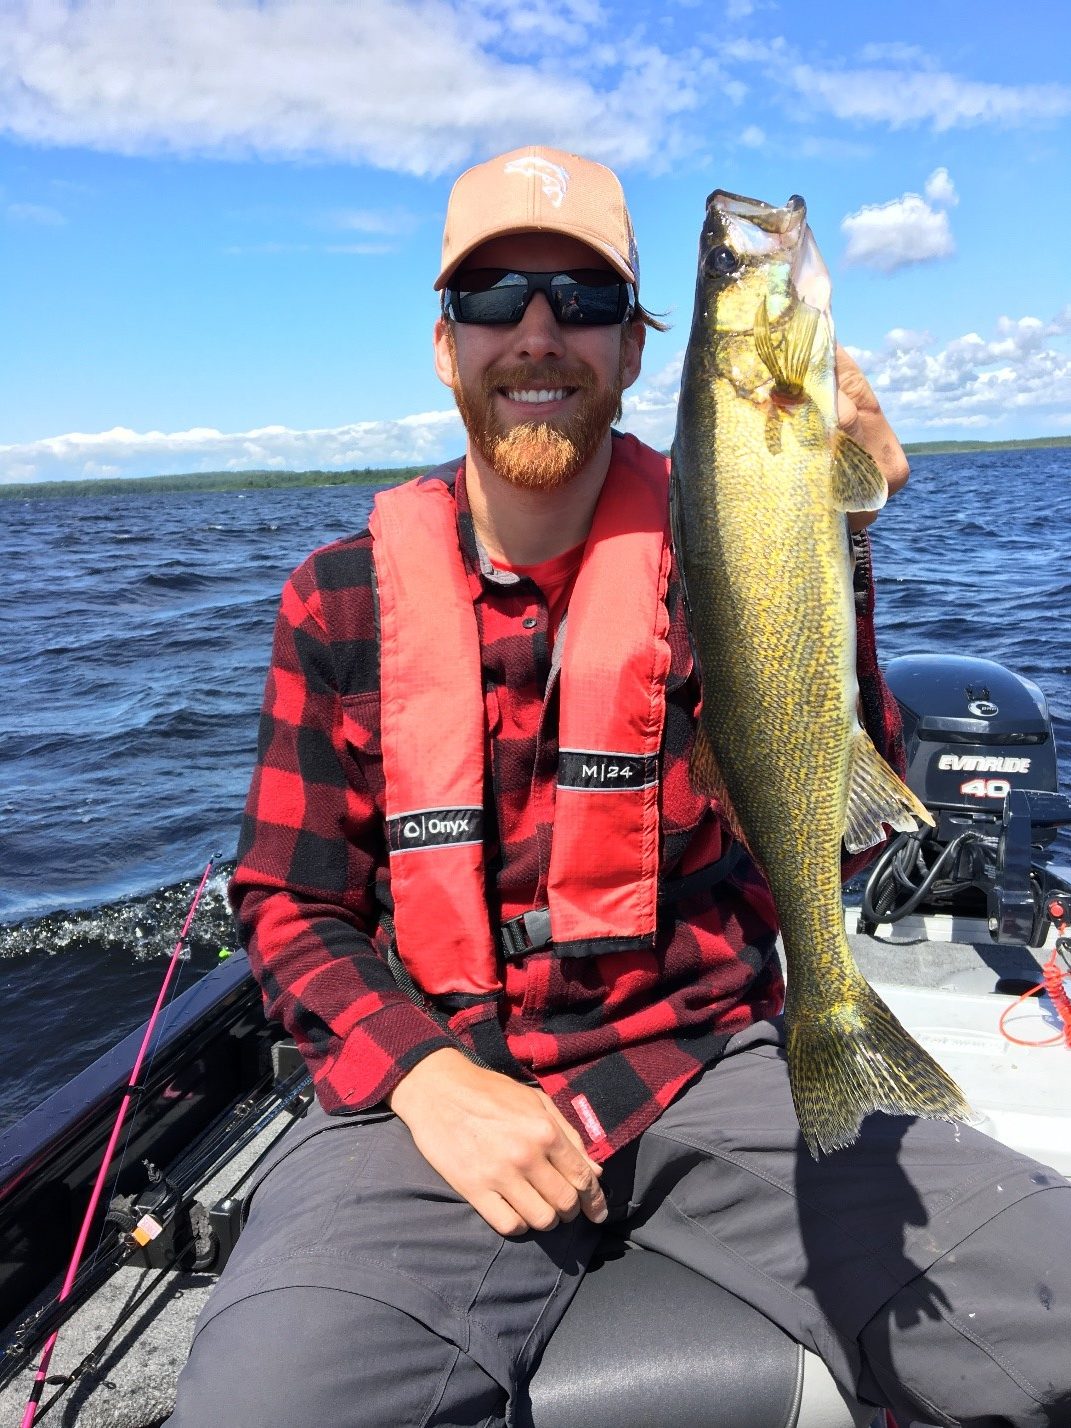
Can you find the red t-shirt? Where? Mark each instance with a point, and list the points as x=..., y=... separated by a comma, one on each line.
x=556, y=578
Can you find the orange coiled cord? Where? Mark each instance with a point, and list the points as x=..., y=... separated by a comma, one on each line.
x=1052, y=982
x=1053, y=977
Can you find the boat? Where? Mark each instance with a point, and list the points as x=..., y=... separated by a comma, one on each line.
x=963, y=929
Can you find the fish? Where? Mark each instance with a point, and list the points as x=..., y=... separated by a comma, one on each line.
x=761, y=480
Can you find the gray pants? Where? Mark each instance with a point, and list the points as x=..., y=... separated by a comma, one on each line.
x=928, y=1265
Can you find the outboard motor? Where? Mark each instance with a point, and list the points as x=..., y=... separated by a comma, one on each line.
x=982, y=757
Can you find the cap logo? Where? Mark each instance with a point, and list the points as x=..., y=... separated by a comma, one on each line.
x=554, y=180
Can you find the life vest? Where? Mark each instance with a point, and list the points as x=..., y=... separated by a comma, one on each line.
x=603, y=876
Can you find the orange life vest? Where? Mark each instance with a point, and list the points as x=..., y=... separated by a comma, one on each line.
x=603, y=878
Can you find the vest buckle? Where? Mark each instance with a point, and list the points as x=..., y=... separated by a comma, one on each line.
x=527, y=932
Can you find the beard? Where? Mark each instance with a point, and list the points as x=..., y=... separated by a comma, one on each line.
x=538, y=455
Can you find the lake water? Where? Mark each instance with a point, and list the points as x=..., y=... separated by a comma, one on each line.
x=135, y=638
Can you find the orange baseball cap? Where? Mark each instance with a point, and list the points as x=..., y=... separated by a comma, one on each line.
x=539, y=190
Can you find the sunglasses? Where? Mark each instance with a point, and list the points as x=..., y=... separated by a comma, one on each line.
x=496, y=297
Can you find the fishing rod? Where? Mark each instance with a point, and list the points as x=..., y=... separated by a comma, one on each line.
x=174, y=1196
x=178, y=1188
x=41, y=1375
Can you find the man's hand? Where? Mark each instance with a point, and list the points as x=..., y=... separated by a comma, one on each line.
x=860, y=415
x=504, y=1147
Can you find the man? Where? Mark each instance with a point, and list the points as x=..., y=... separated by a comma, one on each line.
x=507, y=1055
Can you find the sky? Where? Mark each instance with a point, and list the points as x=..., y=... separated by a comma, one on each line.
x=220, y=219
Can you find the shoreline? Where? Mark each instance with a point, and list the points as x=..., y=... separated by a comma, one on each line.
x=380, y=476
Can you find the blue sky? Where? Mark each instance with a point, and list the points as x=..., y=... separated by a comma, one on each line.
x=220, y=220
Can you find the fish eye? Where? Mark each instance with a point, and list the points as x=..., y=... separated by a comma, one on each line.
x=722, y=262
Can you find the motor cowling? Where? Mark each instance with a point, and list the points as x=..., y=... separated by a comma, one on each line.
x=973, y=732
x=981, y=755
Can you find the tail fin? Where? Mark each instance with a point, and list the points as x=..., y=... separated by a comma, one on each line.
x=852, y=1058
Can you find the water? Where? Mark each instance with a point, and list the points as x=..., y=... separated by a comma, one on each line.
x=135, y=640
x=136, y=634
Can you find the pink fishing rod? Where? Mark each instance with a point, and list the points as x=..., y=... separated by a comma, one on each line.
x=113, y=1140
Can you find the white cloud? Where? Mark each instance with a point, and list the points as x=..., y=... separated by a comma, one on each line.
x=895, y=52
x=35, y=213
x=940, y=189
x=1016, y=382
x=418, y=86
x=650, y=408
x=426, y=436
x=972, y=382
x=650, y=412
x=752, y=137
x=377, y=82
x=362, y=249
x=271, y=247
x=903, y=97
x=895, y=85
x=893, y=235
x=905, y=339
x=392, y=224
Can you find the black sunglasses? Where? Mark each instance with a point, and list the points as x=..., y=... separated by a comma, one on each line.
x=497, y=297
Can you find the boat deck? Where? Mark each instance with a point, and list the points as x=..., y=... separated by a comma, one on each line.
x=945, y=990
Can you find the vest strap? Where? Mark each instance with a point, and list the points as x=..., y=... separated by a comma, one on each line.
x=530, y=931
x=675, y=890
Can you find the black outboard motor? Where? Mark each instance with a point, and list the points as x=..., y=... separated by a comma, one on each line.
x=982, y=757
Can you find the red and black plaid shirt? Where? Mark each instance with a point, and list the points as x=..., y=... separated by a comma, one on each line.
x=618, y=1034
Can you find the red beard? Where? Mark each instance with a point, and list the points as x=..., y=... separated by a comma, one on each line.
x=539, y=455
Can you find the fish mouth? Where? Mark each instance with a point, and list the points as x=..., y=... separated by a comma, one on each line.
x=789, y=218
x=751, y=228
x=762, y=233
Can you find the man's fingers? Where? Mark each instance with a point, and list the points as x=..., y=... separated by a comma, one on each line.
x=539, y=1199
x=499, y=1214
x=565, y=1193
x=581, y=1175
x=859, y=414
x=578, y=1168
x=518, y=1206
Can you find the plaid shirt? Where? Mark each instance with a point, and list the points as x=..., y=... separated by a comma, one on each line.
x=613, y=1038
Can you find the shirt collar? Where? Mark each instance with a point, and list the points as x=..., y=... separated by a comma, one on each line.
x=477, y=561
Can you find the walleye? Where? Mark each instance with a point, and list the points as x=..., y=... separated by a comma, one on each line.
x=762, y=478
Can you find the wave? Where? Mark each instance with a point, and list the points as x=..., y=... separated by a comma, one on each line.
x=145, y=926
x=91, y=977
x=178, y=580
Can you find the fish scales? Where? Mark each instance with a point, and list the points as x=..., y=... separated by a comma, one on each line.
x=761, y=480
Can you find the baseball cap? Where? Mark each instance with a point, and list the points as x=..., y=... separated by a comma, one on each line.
x=539, y=190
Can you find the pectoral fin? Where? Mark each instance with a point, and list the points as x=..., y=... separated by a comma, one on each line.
x=857, y=483
x=788, y=362
x=877, y=796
